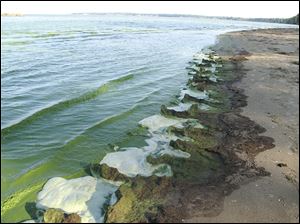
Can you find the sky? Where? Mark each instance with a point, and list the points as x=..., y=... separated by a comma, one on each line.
x=247, y=9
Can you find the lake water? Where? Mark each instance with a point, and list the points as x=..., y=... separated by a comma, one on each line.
x=73, y=87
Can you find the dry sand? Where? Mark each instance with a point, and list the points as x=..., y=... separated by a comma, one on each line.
x=271, y=83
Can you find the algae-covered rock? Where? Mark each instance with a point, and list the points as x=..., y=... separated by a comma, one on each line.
x=168, y=112
x=190, y=112
x=141, y=200
x=107, y=172
x=199, y=168
x=72, y=218
x=193, y=111
x=53, y=215
x=203, y=138
x=188, y=98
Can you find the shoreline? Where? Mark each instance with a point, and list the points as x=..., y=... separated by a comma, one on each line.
x=273, y=64
x=225, y=151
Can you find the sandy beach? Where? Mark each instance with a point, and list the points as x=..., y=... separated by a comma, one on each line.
x=271, y=82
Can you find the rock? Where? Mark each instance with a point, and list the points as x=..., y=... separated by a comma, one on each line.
x=193, y=110
x=53, y=215
x=72, y=218
x=203, y=138
x=107, y=172
x=202, y=78
x=140, y=201
x=185, y=146
x=188, y=98
x=201, y=86
x=281, y=164
x=169, y=112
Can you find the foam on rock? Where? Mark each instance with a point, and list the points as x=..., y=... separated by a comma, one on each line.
x=156, y=122
x=196, y=94
x=200, y=57
x=181, y=107
x=133, y=162
x=85, y=196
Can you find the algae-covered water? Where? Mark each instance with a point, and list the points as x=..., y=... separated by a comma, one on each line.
x=74, y=87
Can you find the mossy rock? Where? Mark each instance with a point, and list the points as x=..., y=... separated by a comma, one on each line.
x=72, y=218
x=191, y=147
x=141, y=200
x=53, y=215
x=107, y=172
x=198, y=169
x=191, y=112
x=188, y=98
x=204, y=138
x=168, y=112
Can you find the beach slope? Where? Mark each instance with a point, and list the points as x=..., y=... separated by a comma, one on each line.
x=270, y=61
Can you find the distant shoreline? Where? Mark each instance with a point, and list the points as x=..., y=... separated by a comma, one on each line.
x=292, y=20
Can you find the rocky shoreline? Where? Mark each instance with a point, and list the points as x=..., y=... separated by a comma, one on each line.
x=221, y=149
x=199, y=151
x=230, y=138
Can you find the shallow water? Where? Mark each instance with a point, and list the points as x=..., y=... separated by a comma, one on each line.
x=73, y=85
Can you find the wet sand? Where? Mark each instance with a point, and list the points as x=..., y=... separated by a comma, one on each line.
x=271, y=83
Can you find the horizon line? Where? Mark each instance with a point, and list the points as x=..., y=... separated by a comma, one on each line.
x=151, y=14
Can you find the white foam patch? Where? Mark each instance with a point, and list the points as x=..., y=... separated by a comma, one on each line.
x=175, y=153
x=85, y=196
x=181, y=107
x=156, y=122
x=29, y=221
x=163, y=146
x=130, y=162
x=194, y=93
x=205, y=55
x=200, y=56
x=133, y=161
x=192, y=73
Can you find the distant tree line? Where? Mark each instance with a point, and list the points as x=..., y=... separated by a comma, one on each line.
x=292, y=20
